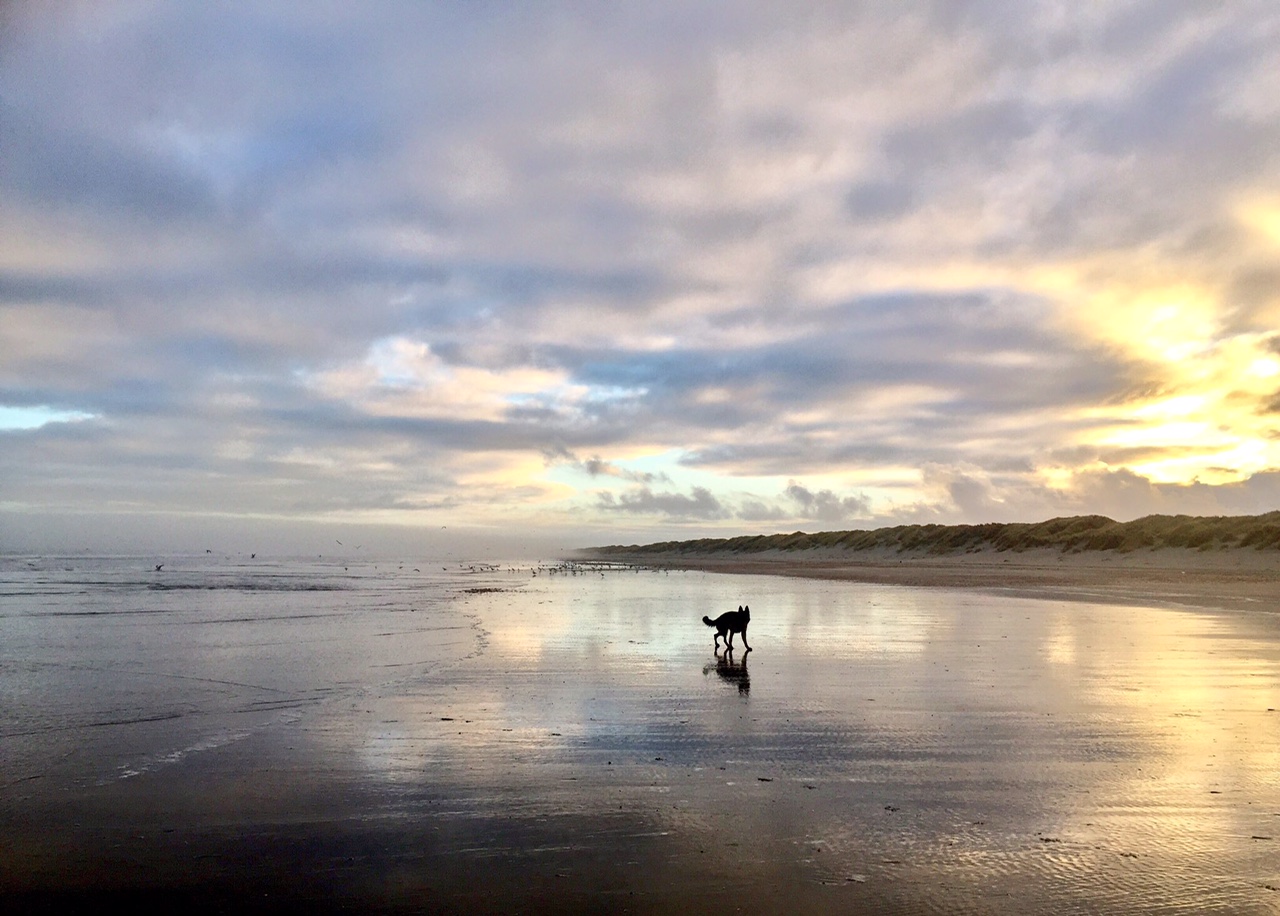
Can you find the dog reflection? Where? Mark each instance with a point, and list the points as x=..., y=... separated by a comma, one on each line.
x=731, y=671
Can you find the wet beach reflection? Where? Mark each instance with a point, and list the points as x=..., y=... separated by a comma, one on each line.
x=923, y=749
x=883, y=749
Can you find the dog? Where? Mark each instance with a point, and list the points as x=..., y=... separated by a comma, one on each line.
x=727, y=624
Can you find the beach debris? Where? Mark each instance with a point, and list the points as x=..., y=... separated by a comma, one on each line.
x=891, y=808
x=765, y=778
x=856, y=879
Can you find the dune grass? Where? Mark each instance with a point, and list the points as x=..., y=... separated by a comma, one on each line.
x=1072, y=534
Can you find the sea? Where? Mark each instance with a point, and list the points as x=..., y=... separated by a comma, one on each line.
x=203, y=650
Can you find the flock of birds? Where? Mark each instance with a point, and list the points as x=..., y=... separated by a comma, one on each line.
x=564, y=568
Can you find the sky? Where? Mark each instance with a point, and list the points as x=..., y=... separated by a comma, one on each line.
x=614, y=273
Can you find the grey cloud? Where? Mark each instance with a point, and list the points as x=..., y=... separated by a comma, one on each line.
x=880, y=200
x=754, y=510
x=986, y=357
x=823, y=506
x=826, y=506
x=699, y=504
x=1161, y=106
x=66, y=172
x=863, y=447
x=968, y=341
x=972, y=496
x=598, y=467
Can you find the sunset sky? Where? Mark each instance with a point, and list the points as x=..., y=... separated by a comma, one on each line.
x=604, y=273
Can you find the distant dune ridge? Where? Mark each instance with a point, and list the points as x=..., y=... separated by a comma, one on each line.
x=1074, y=534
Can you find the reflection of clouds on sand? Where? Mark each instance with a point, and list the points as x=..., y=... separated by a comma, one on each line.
x=525, y=625
x=1190, y=786
x=892, y=734
x=898, y=750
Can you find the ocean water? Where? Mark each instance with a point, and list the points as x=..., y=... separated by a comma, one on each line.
x=204, y=651
x=532, y=731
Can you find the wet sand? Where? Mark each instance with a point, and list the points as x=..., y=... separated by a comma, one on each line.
x=1242, y=579
x=883, y=749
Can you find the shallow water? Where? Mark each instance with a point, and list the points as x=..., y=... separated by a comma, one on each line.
x=574, y=738
x=200, y=653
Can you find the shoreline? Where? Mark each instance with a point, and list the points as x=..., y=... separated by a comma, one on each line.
x=1230, y=580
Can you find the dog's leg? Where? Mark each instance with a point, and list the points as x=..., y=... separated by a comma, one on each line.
x=744, y=639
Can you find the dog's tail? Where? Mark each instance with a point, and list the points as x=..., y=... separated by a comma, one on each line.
x=708, y=621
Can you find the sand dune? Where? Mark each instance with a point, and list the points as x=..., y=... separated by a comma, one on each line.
x=1226, y=562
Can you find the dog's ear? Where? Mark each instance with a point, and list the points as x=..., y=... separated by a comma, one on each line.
x=747, y=609
x=739, y=609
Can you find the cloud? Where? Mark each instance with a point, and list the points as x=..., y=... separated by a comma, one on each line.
x=952, y=260
x=755, y=510
x=597, y=466
x=825, y=506
x=699, y=504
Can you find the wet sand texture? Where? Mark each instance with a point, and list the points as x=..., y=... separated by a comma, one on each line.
x=883, y=749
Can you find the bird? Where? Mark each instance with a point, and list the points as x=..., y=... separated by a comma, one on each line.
x=159, y=566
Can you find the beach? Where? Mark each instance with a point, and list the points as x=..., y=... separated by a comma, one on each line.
x=1240, y=579
x=968, y=736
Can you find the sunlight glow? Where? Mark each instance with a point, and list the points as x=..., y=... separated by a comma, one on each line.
x=1262, y=218
x=1209, y=388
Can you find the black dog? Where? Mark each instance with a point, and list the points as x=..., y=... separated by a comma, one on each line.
x=728, y=623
